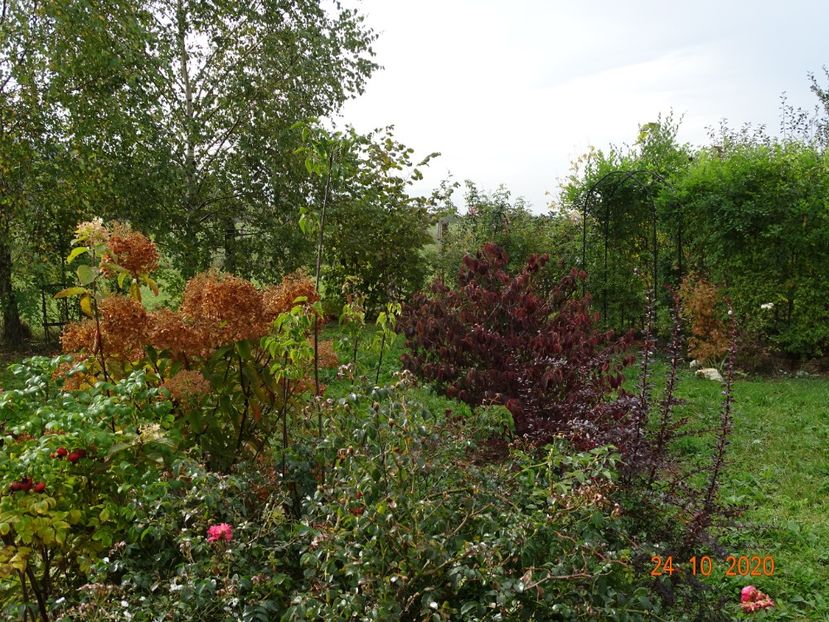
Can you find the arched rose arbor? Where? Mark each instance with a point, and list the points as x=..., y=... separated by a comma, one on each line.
x=601, y=194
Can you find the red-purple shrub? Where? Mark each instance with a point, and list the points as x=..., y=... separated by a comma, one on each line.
x=498, y=339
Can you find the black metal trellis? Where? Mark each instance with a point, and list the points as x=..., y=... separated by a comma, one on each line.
x=620, y=179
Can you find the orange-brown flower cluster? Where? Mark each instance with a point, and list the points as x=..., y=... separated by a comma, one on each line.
x=187, y=386
x=217, y=310
x=281, y=298
x=79, y=337
x=124, y=326
x=170, y=331
x=327, y=356
x=123, y=329
x=71, y=381
x=131, y=250
x=230, y=307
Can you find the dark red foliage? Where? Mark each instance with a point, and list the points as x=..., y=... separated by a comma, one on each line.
x=497, y=339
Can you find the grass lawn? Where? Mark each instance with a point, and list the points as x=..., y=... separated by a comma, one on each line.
x=779, y=471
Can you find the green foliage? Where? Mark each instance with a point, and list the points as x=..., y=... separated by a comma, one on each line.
x=412, y=522
x=166, y=114
x=82, y=458
x=352, y=321
x=376, y=227
x=232, y=368
x=165, y=562
x=623, y=191
x=497, y=218
x=747, y=213
x=387, y=324
x=760, y=228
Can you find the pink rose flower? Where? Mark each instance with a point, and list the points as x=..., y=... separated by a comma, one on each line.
x=748, y=594
x=752, y=599
x=222, y=531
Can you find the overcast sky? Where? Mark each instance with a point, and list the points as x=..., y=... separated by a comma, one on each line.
x=512, y=91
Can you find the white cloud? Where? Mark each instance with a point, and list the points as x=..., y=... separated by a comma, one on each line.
x=512, y=92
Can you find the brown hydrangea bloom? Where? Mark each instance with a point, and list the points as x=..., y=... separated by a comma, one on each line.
x=124, y=325
x=327, y=356
x=131, y=250
x=280, y=298
x=187, y=386
x=71, y=382
x=168, y=330
x=79, y=337
x=229, y=307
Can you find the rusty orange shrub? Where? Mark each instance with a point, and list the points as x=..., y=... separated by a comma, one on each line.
x=700, y=301
x=327, y=356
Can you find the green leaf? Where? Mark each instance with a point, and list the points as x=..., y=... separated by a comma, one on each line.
x=86, y=305
x=77, y=252
x=70, y=291
x=151, y=284
x=87, y=274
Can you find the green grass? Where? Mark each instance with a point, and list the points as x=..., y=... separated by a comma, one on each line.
x=778, y=470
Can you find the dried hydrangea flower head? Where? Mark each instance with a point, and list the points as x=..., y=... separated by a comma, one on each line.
x=72, y=377
x=229, y=306
x=124, y=326
x=281, y=298
x=187, y=386
x=123, y=330
x=79, y=337
x=131, y=250
x=181, y=337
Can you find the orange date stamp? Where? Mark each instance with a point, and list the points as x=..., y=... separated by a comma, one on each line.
x=733, y=566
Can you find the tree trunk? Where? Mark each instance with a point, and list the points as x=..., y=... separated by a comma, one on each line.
x=231, y=259
x=13, y=330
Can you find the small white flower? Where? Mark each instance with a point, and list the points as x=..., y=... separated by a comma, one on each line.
x=768, y=306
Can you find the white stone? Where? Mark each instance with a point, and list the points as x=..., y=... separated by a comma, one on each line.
x=695, y=364
x=709, y=373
